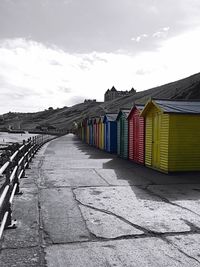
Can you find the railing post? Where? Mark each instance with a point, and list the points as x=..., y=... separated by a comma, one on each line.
x=23, y=164
x=16, y=178
x=8, y=171
x=10, y=224
x=27, y=156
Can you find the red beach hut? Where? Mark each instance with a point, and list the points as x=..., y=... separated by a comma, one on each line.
x=136, y=136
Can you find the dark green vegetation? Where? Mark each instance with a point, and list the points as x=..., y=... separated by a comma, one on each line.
x=63, y=118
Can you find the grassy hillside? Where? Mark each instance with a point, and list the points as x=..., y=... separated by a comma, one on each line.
x=188, y=88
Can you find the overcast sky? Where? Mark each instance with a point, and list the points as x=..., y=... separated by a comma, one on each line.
x=59, y=52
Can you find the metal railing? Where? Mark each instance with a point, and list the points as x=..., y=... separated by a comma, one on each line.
x=10, y=174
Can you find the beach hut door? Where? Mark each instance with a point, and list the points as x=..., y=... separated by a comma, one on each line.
x=136, y=139
x=156, y=140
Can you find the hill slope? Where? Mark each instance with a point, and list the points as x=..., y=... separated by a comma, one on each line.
x=188, y=88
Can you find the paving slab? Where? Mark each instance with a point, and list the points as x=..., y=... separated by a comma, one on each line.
x=72, y=163
x=172, y=178
x=122, y=176
x=25, y=210
x=138, y=207
x=61, y=217
x=91, y=208
x=187, y=196
x=144, y=252
x=189, y=244
x=72, y=177
x=106, y=225
x=22, y=257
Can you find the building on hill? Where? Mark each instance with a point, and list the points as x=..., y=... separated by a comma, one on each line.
x=112, y=93
x=90, y=100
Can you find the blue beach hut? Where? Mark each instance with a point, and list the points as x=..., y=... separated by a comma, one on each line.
x=110, y=130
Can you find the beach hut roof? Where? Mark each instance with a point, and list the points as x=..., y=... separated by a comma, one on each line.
x=174, y=106
x=101, y=119
x=90, y=120
x=96, y=120
x=110, y=117
x=140, y=107
x=125, y=112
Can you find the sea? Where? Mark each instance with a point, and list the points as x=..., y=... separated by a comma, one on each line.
x=9, y=138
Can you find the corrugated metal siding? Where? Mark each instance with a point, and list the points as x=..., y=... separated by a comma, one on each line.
x=102, y=135
x=94, y=133
x=99, y=135
x=141, y=140
x=136, y=137
x=125, y=138
x=108, y=137
x=88, y=134
x=131, y=138
x=156, y=147
x=82, y=133
x=105, y=135
x=164, y=142
x=122, y=137
x=184, y=140
x=85, y=134
x=156, y=129
x=91, y=134
x=118, y=137
x=113, y=135
x=148, y=140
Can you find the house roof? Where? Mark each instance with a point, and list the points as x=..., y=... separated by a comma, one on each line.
x=110, y=117
x=174, y=106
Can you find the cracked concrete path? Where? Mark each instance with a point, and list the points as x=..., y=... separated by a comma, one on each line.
x=84, y=207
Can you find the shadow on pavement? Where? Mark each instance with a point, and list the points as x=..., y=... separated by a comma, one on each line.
x=134, y=174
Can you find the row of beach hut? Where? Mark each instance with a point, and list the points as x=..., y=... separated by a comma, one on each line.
x=163, y=134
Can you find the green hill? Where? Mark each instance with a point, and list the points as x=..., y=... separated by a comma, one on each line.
x=63, y=118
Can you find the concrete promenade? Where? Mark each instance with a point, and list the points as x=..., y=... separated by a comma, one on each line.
x=83, y=207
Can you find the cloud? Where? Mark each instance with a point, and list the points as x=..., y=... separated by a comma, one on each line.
x=42, y=76
x=140, y=37
x=55, y=63
x=64, y=89
x=30, y=82
x=91, y=25
x=163, y=33
x=143, y=71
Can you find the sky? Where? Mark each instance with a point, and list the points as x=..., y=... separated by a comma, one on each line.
x=56, y=53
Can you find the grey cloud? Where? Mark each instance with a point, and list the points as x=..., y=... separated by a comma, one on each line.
x=143, y=72
x=55, y=63
x=13, y=91
x=64, y=89
x=93, y=25
x=89, y=61
x=84, y=66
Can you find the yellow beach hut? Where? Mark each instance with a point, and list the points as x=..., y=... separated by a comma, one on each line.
x=172, y=135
